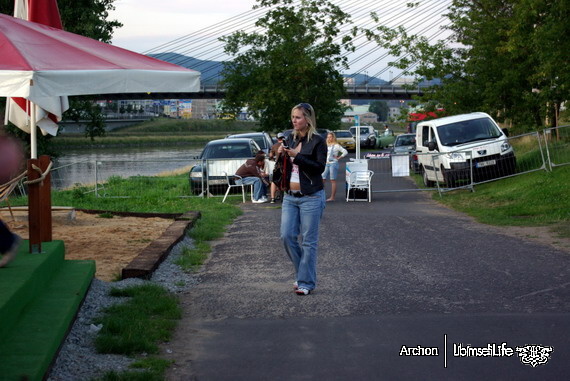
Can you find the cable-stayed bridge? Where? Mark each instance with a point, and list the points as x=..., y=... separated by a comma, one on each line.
x=372, y=73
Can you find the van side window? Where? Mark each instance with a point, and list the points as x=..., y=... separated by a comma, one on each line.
x=425, y=135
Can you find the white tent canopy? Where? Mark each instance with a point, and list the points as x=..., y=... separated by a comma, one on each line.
x=38, y=62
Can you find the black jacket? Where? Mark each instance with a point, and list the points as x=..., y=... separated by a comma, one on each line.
x=311, y=161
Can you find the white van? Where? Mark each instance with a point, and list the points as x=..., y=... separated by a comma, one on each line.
x=447, y=146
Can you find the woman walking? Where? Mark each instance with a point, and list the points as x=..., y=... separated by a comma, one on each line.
x=335, y=152
x=304, y=198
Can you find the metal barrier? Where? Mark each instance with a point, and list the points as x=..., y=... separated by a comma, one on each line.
x=166, y=178
x=557, y=141
x=392, y=173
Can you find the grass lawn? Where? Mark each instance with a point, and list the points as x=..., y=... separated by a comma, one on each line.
x=533, y=199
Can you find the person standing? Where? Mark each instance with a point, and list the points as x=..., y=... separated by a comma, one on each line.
x=251, y=172
x=273, y=156
x=304, y=198
x=335, y=152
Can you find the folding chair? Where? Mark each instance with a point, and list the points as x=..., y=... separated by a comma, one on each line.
x=231, y=184
x=359, y=180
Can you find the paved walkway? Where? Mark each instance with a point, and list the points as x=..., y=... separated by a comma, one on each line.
x=394, y=274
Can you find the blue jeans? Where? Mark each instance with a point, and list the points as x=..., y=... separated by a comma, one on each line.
x=331, y=170
x=259, y=188
x=302, y=216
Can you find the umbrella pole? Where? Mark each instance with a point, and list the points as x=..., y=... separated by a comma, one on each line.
x=33, y=132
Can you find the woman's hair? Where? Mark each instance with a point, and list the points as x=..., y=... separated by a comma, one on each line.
x=333, y=137
x=309, y=115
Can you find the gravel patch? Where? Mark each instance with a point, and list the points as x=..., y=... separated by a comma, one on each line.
x=77, y=358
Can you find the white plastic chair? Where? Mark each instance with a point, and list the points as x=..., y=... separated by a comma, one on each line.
x=232, y=184
x=360, y=180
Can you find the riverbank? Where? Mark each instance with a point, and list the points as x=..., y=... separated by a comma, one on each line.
x=157, y=132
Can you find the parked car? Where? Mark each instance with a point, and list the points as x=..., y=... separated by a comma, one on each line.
x=385, y=140
x=263, y=139
x=451, y=148
x=345, y=139
x=405, y=144
x=368, y=138
x=323, y=132
x=219, y=156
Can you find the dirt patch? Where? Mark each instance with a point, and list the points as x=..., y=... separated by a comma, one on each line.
x=111, y=242
x=541, y=234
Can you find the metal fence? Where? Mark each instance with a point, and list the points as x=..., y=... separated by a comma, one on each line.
x=405, y=172
x=165, y=178
x=392, y=173
x=557, y=141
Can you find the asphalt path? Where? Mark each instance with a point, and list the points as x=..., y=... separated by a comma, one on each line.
x=405, y=287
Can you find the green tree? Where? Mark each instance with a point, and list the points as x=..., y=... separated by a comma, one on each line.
x=380, y=108
x=295, y=57
x=505, y=57
x=85, y=17
x=89, y=114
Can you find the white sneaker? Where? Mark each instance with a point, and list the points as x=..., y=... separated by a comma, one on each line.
x=302, y=291
x=260, y=201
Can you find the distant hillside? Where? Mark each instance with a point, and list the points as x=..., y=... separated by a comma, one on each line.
x=211, y=70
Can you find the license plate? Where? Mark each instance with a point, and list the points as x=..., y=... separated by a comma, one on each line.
x=485, y=163
x=216, y=182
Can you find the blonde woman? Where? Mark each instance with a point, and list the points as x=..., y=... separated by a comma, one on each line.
x=335, y=152
x=304, y=196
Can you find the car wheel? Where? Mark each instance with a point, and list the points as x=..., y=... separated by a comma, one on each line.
x=427, y=182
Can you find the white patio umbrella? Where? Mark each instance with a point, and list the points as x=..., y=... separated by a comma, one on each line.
x=38, y=62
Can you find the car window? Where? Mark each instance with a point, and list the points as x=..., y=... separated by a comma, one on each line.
x=227, y=151
x=363, y=130
x=467, y=131
x=405, y=141
x=253, y=149
x=343, y=134
x=260, y=139
x=425, y=135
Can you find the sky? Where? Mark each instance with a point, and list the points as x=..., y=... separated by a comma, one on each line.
x=150, y=23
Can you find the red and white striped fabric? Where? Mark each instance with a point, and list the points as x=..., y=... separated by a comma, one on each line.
x=50, y=109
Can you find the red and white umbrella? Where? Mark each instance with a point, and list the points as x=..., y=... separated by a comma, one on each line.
x=38, y=62
x=18, y=110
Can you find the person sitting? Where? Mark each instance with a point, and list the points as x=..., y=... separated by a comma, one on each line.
x=252, y=172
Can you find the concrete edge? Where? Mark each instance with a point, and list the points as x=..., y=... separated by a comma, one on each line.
x=148, y=260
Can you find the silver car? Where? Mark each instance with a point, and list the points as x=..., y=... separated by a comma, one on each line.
x=218, y=158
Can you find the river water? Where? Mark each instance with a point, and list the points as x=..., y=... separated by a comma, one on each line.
x=88, y=166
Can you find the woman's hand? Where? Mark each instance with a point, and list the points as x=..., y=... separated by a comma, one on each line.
x=291, y=152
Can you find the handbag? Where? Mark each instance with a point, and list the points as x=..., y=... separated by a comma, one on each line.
x=280, y=173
